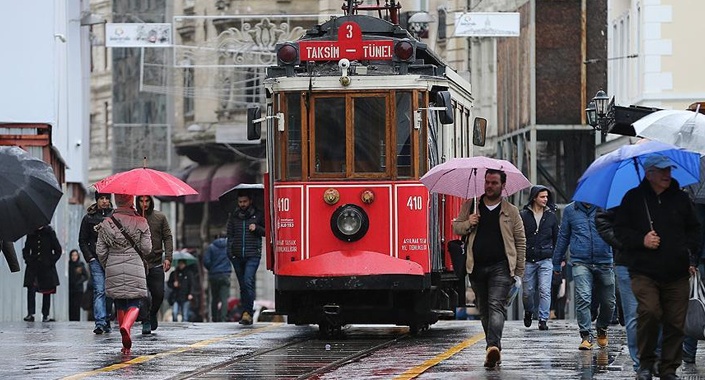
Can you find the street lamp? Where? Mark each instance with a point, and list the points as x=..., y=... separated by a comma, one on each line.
x=601, y=100
x=600, y=112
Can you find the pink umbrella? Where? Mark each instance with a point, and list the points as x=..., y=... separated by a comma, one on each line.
x=143, y=181
x=465, y=177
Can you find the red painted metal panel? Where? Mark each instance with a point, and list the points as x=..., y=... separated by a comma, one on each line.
x=289, y=224
x=412, y=221
x=350, y=263
x=378, y=236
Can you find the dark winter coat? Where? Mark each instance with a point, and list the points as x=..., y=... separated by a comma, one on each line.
x=241, y=241
x=76, y=277
x=185, y=280
x=541, y=239
x=162, y=239
x=87, y=236
x=216, y=258
x=674, y=220
x=604, y=222
x=41, y=252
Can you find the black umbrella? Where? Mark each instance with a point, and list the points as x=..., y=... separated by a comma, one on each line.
x=29, y=193
x=229, y=198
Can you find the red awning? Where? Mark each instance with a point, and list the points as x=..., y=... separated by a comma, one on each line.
x=200, y=179
x=225, y=178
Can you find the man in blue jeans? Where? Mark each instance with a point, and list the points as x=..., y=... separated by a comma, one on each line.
x=591, y=259
x=87, y=238
x=245, y=232
x=541, y=230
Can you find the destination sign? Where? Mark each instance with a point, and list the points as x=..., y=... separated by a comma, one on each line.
x=349, y=45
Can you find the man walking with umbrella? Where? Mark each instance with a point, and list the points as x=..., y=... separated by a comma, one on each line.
x=87, y=238
x=162, y=245
x=496, y=251
x=659, y=230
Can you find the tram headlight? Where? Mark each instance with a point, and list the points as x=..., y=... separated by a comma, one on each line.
x=349, y=223
x=287, y=54
x=403, y=51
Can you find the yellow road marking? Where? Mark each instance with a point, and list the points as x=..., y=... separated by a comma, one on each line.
x=146, y=358
x=421, y=368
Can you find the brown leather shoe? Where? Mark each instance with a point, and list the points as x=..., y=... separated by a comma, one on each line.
x=493, y=357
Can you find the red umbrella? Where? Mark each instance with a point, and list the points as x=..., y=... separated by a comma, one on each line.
x=144, y=181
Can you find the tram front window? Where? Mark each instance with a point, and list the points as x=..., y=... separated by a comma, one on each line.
x=330, y=135
x=370, y=135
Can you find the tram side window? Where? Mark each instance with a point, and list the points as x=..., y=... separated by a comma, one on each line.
x=293, y=128
x=330, y=135
x=404, y=125
x=370, y=135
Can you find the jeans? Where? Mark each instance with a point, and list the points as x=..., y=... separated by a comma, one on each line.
x=629, y=306
x=155, y=297
x=245, y=270
x=539, y=273
x=491, y=284
x=31, y=302
x=183, y=308
x=589, y=278
x=101, y=303
x=220, y=291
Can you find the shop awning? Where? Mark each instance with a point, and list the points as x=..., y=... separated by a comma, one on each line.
x=200, y=179
x=225, y=178
x=213, y=180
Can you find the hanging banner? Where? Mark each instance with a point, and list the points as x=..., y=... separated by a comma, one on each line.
x=137, y=35
x=487, y=24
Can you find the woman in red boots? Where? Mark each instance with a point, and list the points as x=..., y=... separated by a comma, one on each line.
x=123, y=239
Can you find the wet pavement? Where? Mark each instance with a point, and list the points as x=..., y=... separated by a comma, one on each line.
x=449, y=349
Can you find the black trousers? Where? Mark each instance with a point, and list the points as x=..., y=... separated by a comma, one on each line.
x=153, y=301
x=31, y=302
x=75, y=299
x=661, y=307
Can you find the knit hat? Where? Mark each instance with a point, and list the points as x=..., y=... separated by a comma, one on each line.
x=98, y=195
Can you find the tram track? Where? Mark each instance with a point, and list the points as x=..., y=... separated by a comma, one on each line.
x=302, y=358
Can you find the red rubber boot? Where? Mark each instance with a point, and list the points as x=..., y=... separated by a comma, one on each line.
x=128, y=320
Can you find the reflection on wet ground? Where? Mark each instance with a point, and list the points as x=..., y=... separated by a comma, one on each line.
x=450, y=349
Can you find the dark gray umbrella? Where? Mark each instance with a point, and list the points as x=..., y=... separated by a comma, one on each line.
x=229, y=198
x=29, y=193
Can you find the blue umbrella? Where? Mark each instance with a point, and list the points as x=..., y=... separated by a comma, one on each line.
x=608, y=178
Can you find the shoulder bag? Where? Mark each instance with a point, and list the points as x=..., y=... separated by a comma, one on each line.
x=131, y=241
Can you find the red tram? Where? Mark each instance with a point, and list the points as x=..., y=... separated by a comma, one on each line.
x=357, y=111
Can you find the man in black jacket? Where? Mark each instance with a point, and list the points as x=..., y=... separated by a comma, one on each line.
x=87, y=238
x=245, y=232
x=660, y=233
x=541, y=230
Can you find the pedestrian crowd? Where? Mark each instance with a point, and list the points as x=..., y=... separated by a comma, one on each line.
x=630, y=263
x=128, y=250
